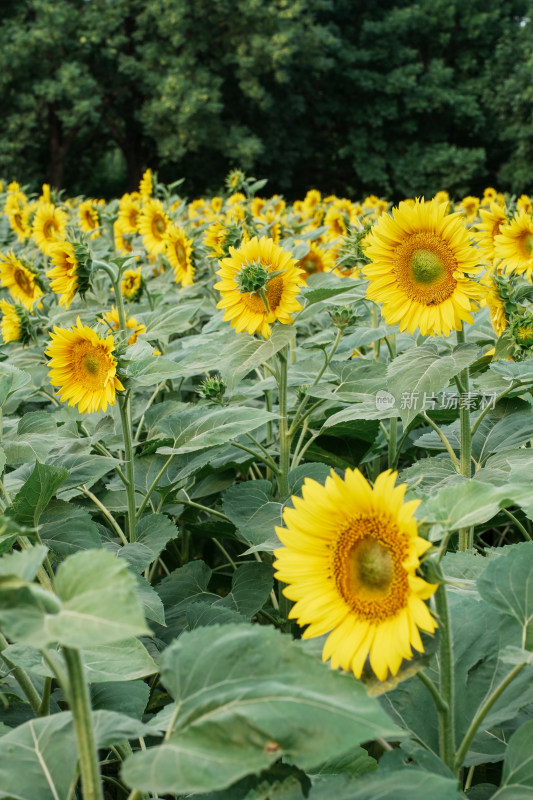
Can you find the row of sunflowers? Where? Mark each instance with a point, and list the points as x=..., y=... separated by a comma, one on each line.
x=241, y=436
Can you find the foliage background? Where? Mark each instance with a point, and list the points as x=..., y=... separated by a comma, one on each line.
x=349, y=96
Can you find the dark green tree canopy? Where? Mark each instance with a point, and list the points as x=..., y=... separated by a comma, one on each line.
x=397, y=97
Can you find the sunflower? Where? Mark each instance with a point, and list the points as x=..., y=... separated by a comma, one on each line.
x=132, y=284
x=492, y=221
x=15, y=323
x=17, y=223
x=111, y=318
x=494, y=301
x=469, y=206
x=524, y=204
x=49, y=224
x=64, y=277
x=153, y=224
x=250, y=298
x=178, y=249
x=316, y=260
x=20, y=279
x=350, y=559
x=418, y=260
x=129, y=210
x=83, y=367
x=514, y=245
x=121, y=237
x=146, y=186
x=89, y=218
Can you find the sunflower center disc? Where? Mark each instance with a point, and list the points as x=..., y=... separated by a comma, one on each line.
x=310, y=264
x=180, y=253
x=373, y=565
x=159, y=225
x=22, y=280
x=426, y=267
x=92, y=364
x=528, y=243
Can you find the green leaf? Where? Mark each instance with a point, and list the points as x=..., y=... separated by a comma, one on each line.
x=507, y=584
x=247, y=353
x=32, y=499
x=23, y=563
x=151, y=370
x=96, y=604
x=324, y=286
x=154, y=532
x=200, y=428
x=404, y=784
x=173, y=320
x=111, y=728
x=11, y=379
x=250, y=507
x=66, y=528
x=250, y=587
x=248, y=695
x=517, y=776
x=120, y=661
x=125, y=697
x=422, y=372
x=38, y=759
x=84, y=468
x=472, y=502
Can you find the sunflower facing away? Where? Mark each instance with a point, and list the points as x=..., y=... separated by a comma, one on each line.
x=514, y=245
x=419, y=259
x=14, y=324
x=131, y=284
x=83, y=367
x=250, y=298
x=111, y=318
x=349, y=561
x=64, y=279
x=19, y=279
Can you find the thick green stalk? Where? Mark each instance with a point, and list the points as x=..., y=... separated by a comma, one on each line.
x=482, y=712
x=22, y=679
x=446, y=714
x=124, y=404
x=80, y=705
x=466, y=535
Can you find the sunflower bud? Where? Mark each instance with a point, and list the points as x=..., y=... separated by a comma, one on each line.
x=523, y=331
x=213, y=388
x=343, y=317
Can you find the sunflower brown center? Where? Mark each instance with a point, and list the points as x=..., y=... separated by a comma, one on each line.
x=158, y=227
x=311, y=264
x=22, y=280
x=424, y=266
x=367, y=567
x=180, y=253
x=49, y=229
x=92, y=363
x=527, y=244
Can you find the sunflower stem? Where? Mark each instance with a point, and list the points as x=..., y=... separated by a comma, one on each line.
x=447, y=713
x=482, y=712
x=124, y=404
x=466, y=535
x=21, y=677
x=80, y=705
x=393, y=424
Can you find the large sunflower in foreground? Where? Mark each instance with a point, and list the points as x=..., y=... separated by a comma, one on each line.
x=22, y=282
x=420, y=257
x=83, y=367
x=350, y=559
x=253, y=300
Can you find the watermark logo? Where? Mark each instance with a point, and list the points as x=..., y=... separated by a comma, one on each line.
x=427, y=401
x=384, y=400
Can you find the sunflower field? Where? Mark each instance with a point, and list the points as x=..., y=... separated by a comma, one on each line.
x=266, y=491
